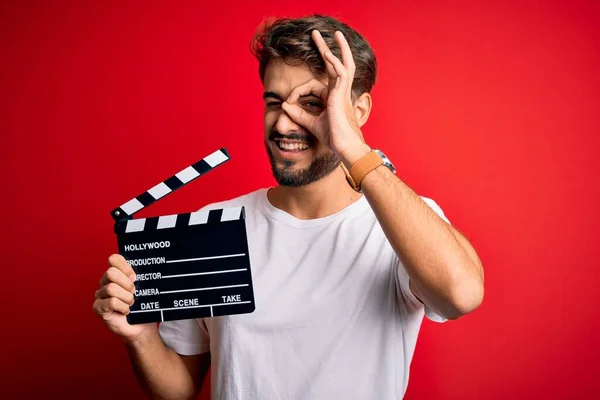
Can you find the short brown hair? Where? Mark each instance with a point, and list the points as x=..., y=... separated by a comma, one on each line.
x=289, y=39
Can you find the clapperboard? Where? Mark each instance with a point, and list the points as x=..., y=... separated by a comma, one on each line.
x=191, y=265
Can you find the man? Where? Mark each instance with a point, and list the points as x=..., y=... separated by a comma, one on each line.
x=346, y=258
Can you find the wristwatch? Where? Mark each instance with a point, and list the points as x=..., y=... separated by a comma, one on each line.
x=366, y=164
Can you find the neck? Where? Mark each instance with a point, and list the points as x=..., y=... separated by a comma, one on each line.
x=316, y=200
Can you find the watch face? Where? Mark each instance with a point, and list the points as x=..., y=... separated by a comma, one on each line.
x=386, y=161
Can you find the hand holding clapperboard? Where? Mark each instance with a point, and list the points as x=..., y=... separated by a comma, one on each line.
x=191, y=265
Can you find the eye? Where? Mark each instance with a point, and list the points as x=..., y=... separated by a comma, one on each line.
x=313, y=104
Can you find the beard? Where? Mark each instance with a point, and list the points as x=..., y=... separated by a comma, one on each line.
x=287, y=175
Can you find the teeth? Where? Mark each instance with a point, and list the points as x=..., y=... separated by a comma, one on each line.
x=293, y=146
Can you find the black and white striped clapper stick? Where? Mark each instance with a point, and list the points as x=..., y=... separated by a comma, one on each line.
x=190, y=265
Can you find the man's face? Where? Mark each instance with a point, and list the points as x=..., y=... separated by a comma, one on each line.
x=297, y=157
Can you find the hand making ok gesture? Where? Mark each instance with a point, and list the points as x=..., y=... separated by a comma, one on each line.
x=336, y=127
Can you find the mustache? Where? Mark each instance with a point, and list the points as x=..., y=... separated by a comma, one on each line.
x=291, y=136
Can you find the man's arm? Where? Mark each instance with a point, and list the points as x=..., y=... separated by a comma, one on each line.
x=443, y=267
x=164, y=374
x=445, y=271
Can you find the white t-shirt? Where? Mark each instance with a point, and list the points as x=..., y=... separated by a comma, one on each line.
x=334, y=318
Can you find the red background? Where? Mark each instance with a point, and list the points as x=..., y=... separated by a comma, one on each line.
x=490, y=108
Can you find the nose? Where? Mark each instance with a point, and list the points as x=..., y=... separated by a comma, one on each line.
x=285, y=124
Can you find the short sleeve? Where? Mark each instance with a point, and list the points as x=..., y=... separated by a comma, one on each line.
x=408, y=297
x=435, y=207
x=403, y=279
x=186, y=337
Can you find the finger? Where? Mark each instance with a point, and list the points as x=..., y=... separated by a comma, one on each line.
x=117, y=276
x=342, y=73
x=118, y=261
x=347, y=59
x=323, y=49
x=313, y=86
x=105, y=307
x=299, y=115
x=114, y=290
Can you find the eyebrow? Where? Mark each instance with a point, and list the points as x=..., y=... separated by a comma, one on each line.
x=276, y=96
x=272, y=95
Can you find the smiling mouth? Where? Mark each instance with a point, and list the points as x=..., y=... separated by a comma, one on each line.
x=292, y=146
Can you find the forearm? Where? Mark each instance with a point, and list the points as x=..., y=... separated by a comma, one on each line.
x=159, y=370
x=442, y=265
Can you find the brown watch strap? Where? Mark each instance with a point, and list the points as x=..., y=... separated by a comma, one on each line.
x=361, y=168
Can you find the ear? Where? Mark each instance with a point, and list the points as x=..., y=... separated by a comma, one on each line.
x=362, y=108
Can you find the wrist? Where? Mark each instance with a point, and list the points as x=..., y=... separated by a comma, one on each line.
x=354, y=153
x=142, y=339
x=358, y=169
